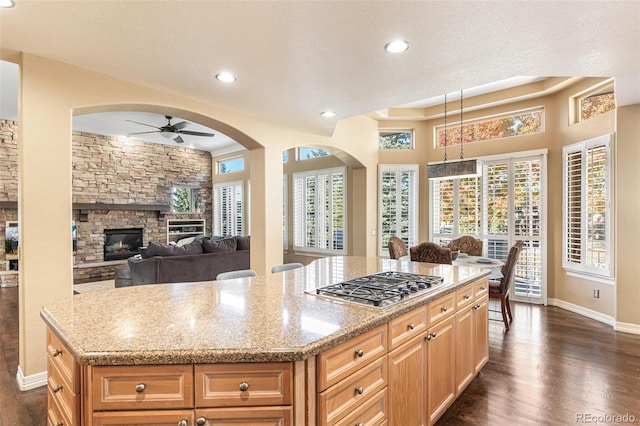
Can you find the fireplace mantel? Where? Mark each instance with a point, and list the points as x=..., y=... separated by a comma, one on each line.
x=84, y=208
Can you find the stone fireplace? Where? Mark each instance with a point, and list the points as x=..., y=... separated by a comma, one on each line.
x=121, y=243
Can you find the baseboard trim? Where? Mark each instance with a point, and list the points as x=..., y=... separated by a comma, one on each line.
x=609, y=320
x=31, y=382
x=627, y=327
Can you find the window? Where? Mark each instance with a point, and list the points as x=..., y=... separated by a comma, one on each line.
x=596, y=102
x=515, y=123
x=285, y=209
x=500, y=207
x=587, y=242
x=319, y=203
x=307, y=153
x=185, y=199
x=398, y=210
x=231, y=165
x=396, y=139
x=228, y=211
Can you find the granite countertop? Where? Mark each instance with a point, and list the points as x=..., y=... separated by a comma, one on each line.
x=276, y=317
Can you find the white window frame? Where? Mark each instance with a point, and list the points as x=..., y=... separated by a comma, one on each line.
x=194, y=198
x=412, y=208
x=235, y=201
x=219, y=164
x=300, y=212
x=577, y=99
x=583, y=267
x=398, y=130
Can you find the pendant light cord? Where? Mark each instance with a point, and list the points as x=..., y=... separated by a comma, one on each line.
x=461, y=134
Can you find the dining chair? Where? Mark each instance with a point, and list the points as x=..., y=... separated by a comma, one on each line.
x=500, y=289
x=286, y=267
x=467, y=244
x=242, y=273
x=397, y=248
x=430, y=252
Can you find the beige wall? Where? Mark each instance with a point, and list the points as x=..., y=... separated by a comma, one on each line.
x=50, y=92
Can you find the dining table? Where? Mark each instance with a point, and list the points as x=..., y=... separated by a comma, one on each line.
x=494, y=265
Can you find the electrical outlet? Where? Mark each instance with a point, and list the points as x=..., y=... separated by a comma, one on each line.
x=596, y=293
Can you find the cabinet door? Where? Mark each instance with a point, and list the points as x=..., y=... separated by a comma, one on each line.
x=407, y=383
x=441, y=368
x=481, y=332
x=465, y=353
x=256, y=416
x=150, y=417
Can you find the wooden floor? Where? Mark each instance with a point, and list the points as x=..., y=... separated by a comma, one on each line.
x=552, y=368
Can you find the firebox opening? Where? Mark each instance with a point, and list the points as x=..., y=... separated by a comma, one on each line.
x=122, y=243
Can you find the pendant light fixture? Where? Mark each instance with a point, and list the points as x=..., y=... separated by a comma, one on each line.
x=460, y=168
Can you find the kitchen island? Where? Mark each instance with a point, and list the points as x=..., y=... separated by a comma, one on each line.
x=267, y=350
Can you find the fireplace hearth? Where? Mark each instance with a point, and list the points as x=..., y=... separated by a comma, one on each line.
x=122, y=243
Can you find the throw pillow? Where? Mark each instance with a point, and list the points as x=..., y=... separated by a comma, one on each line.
x=169, y=250
x=224, y=245
x=185, y=241
x=243, y=243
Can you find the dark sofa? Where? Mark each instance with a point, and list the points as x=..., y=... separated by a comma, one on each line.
x=201, y=260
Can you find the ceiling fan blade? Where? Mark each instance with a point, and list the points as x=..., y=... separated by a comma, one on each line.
x=181, y=125
x=144, y=124
x=189, y=132
x=141, y=133
x=178, y=139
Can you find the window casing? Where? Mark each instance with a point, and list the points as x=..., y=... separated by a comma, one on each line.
x=305, y=153
x=319, y=204
x=230, y=165
x=398, y=209
x=587, y=213
x=395, y=139
x=228, y=209
x=596, y=101
x=515, y=123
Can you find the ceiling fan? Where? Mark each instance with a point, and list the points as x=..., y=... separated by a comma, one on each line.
x=171, y=131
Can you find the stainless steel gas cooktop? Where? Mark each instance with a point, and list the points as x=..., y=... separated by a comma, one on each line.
x=381, y=289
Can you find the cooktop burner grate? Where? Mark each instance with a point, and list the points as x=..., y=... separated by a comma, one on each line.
x=381, y=289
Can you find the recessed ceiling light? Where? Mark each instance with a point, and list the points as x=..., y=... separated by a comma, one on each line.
x=7, y=3
x=226, y=77
x=396, y=46
x=328, y=114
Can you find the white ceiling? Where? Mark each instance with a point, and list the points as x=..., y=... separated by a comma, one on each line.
x=295, y=59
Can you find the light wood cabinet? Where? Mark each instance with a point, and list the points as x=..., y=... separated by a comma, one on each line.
x=481, y=332
x=465, y=355
x=441, y=351
x=150, y=417
x=408, y=383
x=63, y=382
x=255, y=416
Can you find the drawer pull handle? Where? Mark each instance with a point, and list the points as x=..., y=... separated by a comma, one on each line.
x=201, y=421
x=360, y=424
x=56, y=352
x=56, y=389
x=467, y=297
x=140, y=387
x=359, y=353
x=444, y=309
x=244, y=386
x=483, y=288
x=411, y=326
x=428, y=337
x=433, y=334
x=59, y=424
x=359, y=390
x=183, y=422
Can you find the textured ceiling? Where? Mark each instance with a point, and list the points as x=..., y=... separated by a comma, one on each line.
x=295, y=59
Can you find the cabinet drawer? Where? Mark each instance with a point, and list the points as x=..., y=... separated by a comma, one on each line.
x=346, y=395
x=58, y=355
x=373, y=412
x=405, y=327
x=254, y=416
x=465, y=295
x=229, y=385
x=61, y=396
x=137, y=418
x=339, y=362
x=442, y=308
x=142, y=387
x=55, y=415
x=481, y=287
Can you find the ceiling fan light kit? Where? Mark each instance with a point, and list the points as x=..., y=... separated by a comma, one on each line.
x=171, y=131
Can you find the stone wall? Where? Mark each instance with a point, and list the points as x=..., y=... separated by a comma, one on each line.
x=114, y=171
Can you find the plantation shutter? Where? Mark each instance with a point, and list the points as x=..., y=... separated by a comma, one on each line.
x=228, y=209
x=496, y=209
x=398, y=208
x=573, y=208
